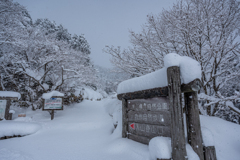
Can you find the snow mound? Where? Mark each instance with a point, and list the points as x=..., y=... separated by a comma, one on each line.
x=160, y=147
x=190, y=153
x=10, y=94
x=11, y=128
x=51, y=94
x=207, y=137
x=12, y=111
x=190, y=69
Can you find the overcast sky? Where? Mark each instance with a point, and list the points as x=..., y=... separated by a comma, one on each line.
x=103, y=22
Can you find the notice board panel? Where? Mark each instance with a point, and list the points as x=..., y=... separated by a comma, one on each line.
x=148, y=118
x=53, y=103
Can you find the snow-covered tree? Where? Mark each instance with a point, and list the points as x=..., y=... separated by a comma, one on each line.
x=79, y=43
x=109, y=78
x=37, y=58
x=206, y=30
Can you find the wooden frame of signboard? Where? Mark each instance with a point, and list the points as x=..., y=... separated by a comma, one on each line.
x=173, y=127
x=52, y=110
x=8, y=116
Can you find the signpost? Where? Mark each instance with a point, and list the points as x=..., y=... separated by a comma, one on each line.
x=158, y=112
x=54, y=103
x=5, y=101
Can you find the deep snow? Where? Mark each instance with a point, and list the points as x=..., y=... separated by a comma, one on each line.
x=85, y=131
x=81, y=131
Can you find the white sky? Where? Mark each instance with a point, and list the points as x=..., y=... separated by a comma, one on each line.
x=103, y=22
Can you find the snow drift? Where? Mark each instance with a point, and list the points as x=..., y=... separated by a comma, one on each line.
x=11, y=128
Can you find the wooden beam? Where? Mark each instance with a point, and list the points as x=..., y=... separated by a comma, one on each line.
x=210, y=153
x=150, y=93
x=177, y=127
x=52, y=114
x=148, y=130
x=192, y=86
x=7, y=116
x=140, y=139
x=193, y=123
x=124, y=118
x=161, y=118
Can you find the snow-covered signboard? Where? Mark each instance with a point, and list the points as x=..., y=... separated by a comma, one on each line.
x=3, y=104
x=148, y=118
x=53, y=104
x=152, y=106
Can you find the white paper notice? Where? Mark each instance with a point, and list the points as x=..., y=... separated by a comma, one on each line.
x=53, y=103
x=3, y=104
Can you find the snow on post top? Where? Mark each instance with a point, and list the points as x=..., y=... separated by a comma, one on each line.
x=190, y=69
x=51, y=94
x=10, y=94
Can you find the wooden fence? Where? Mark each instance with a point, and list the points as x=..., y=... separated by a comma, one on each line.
x=159, y=112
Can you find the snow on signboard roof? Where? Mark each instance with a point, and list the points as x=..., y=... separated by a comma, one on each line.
x=51, y=94
x=190, y=69
x=10, y=94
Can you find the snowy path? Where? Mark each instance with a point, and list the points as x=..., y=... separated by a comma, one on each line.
x=85, y=132
x=80, y=132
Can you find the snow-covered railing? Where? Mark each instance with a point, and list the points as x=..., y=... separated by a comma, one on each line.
x=151, y=106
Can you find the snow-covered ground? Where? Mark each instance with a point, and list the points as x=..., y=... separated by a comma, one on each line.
x=85, y=131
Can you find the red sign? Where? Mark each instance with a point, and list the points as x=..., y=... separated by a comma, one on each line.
x=132, y=125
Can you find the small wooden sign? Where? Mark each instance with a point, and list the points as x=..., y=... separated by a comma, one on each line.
x=148, y=118
x=54, y=103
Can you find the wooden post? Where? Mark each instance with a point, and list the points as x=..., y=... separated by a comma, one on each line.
x=124, y=118
x=7, y=109
x=210, y=153
x=177, y=123
x=10, y=116
x=52, y=115
x=193, y=123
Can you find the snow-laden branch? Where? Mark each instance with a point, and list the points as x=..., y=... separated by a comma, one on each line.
x=221, y=100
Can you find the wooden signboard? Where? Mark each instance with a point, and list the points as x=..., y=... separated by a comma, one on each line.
x=148, y=118
x=54, y=103
x=159, y=112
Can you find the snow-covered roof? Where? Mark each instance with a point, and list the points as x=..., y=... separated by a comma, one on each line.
x=190, y=69
x=10, y=94
x=51, y=94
